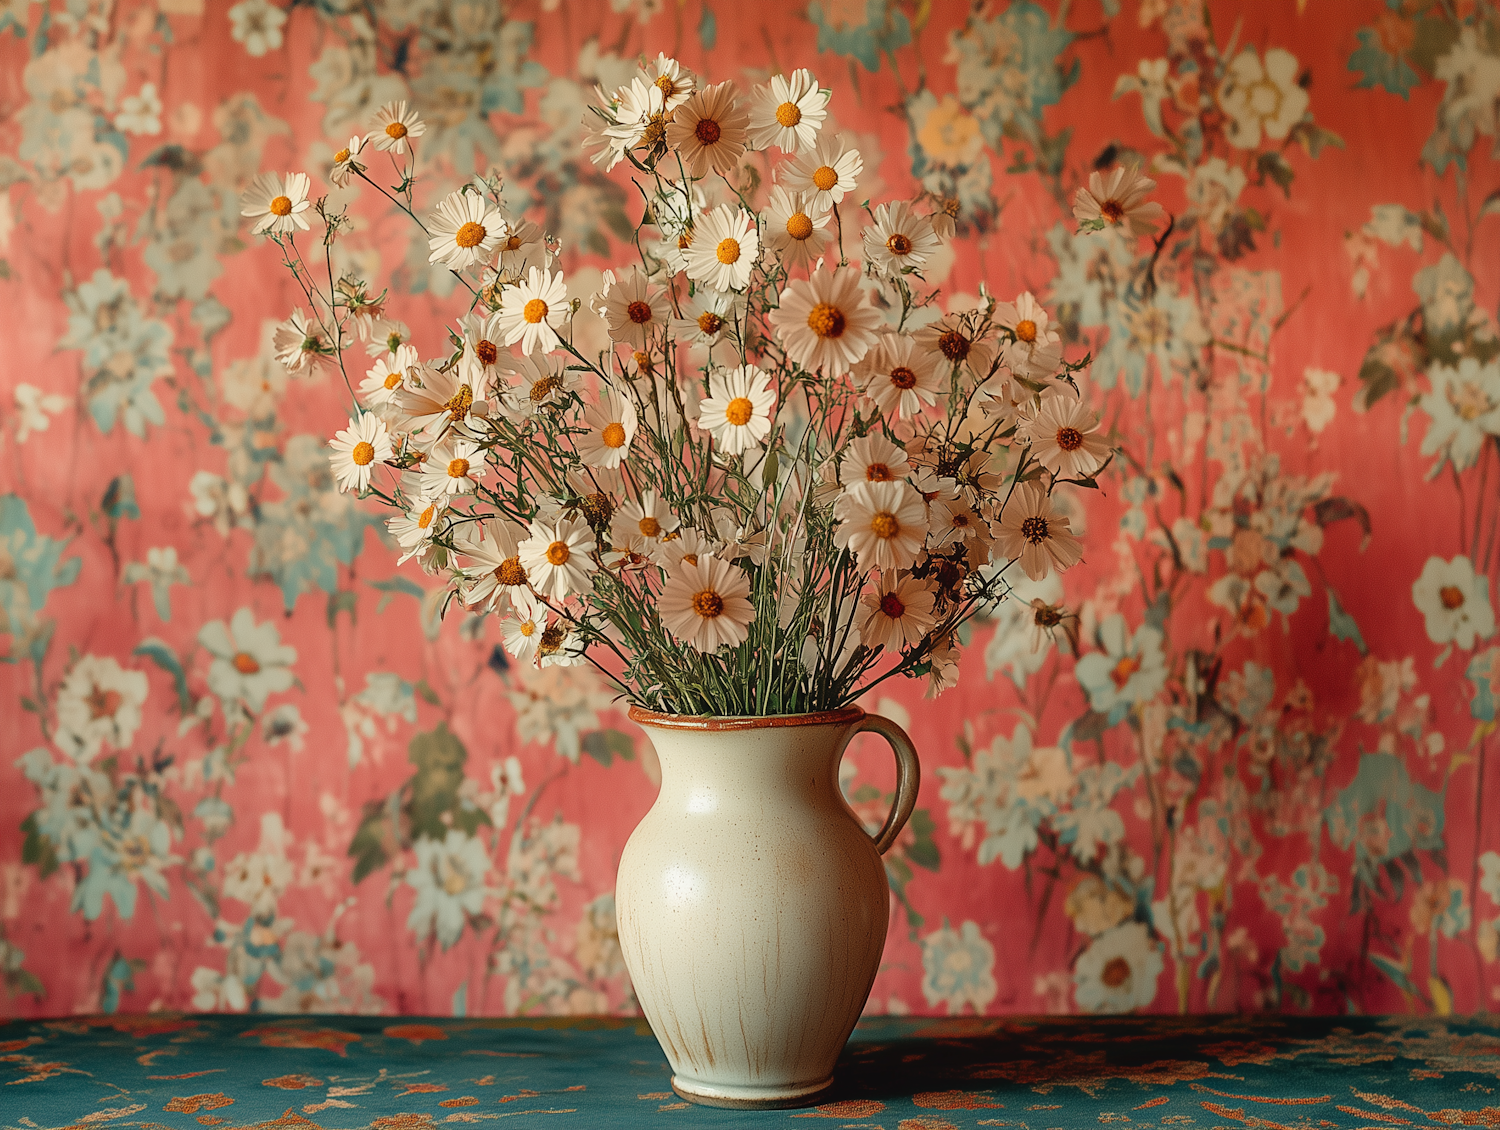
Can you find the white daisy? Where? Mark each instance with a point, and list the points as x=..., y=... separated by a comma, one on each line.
x=386, y=377
x=825, y=322
x=898, y=377
x=494, y=572
x=301, y=345
x=1118, y=202
x=386, y=335
x=480, y=330
x=675, y=81
x=345, y=164
x=542, y=382
x=611, y=427
x=884, y=524
x=560, y=646
x=899, y=613
x=433, y=400
x=952, y=341
x=640, y=116
x=724, y=249
x=634, y=312
x=944, y=218
x=394, y=126
x=638, y=527
x=558, y=557
x=873, y=459
x=1036, y=535
x=796, y=227
x=1063, y=435
x=953, y=522
x=522, y=630
x=709, y=317
x=276, y=205
x=708, y=132
x=452, y=467
x=826, y=174
x=524, y=247
x=788, y=112
x=1036, y=351
x=737, y=409
x=705, y=604
x=899, y=239
x=357, y=449
x=688, y=545
x=413, y=529
x=531, y=311
x=465, y=229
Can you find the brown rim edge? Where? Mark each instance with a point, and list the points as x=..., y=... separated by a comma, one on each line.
x=646, y=717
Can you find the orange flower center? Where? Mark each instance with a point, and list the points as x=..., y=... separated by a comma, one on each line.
x=281, y=206
x=826, y=320
x=709, y=322
x=1034, y=530
x=470, y=235
x=512, y=243
x=1069, y=439
x=613, y=435
x=640, y=312
x=458, y=468
x=534, y=311
x=425, y=518
x=884, y=525
x=460, y=402
x=707, y=131
x=903, y=378
x=1452, y=597
x=558, y=553
x=738, y=411
x=1121, y=672
x=825, y=178
x=245, y=663
x=954, y=346
x=341, y=156
x=898, y=244
x=649, y=527
x=487, y=352
x=511, y=572
x=1116, y=972
x=878, y=473
x=543, y=388
x=690, y=558
x=728, y=251
x=799, y=226
x=665, y=84
x=392, y=380
x=788, y=114
x=396, y=131
x=1112, y=211
x=1026, y=330
x=708, y=604
x=363, y=454
x=103, y=703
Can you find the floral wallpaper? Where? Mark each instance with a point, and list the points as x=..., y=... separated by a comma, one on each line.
x=248, y=765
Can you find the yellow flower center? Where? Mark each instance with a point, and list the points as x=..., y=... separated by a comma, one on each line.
x=1069, y=439
x=884, y=525
x=460, y=402
x=528, y=628
x=708, y=604
x=878, y=473
x=392, y=380
x=707, y=131
x=363, y=454
x=665, y=84
x=690, y=558
x=709, y=322
x=788, y=114
x=534, y=311
x=341, y=156
x=511, y=572
x=458, y=468
x=728, y=251
x=613, y=435
x=649, y=527
x=245, y=663
x=898, y=244
x=1026, y=330
x=470, y=235
x=903, y=378
x=640, y=312
x=425, y=518
x=395, y=131
x=281, y=206
x=1452, y=597
x=738, y=411
x=826, y=320
x=543, y=388
x=825, y=179
x=558, y=553
x=799, y=225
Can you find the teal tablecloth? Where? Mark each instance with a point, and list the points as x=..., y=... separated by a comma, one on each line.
x=1264, y=1073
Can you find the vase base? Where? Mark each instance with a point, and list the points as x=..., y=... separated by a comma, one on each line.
x=751, y=1098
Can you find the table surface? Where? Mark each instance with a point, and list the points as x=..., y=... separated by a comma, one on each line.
x=402, y=1073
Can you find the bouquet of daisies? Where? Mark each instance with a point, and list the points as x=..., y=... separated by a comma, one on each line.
x=784, y=481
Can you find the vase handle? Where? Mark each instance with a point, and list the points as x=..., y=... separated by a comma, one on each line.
x=908, y=777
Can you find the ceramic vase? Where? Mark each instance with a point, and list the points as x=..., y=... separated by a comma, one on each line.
x=752, y=903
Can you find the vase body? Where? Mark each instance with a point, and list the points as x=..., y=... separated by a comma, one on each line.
x=752, y=904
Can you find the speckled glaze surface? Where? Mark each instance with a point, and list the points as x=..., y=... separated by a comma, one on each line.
x=753, y=905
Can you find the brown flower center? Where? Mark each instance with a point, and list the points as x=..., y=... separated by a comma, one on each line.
x=825, y=178
x=954, y=346
x=1452, y=597
x=363, y=454
x=281, y=206
x=460, y=402
x=903, y=378
x=709, y=323
x=649, y=527
x=788, y=114
x=799, y=226
x=898, y=244
x=639, y=312
x=534, y=311
x=543, y=388
x=487, y=352
x=245, y=663
x=883, y=525
x=708, y=604
x=826, y=320
x=103, y=703
x=1034, y=530
x=558, y=553
x=470, y=235
x=738, y=411
x=878, y=473
x=1116, y=972
x=552, y=640
x=1112, y=212
x=707, y=131
x=511, y=572
x=1069, y=439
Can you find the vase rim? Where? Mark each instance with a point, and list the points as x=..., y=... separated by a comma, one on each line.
x=644, y=717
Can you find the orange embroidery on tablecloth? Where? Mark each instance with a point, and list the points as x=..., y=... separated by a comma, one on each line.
x=954, y=1100
x=463, y=1100
x=292, y=1036
x=1234, y=1053
x=402, y=1122
x=1385, y=1102
x=192, y=1104
x=416, y=1033
x=292, y=1082
x=1149, y=1103
x=422, y=1089
x=925, y=1124
x=210, y=1120
x=189, y=1074
x=17, y=1045
x=1263, y=1099
x=1376, y=1116
x=848, y=1108
x=1239, y=1115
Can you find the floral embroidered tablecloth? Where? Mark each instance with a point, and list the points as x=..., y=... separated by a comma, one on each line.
x=385, y=1073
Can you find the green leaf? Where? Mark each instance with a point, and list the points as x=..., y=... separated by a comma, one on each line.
x=164, y=657
x=372, y=844
x=119, y=499
x=1338, y=508
x=924, y=852
x=425, y=692
x=1273, y=167
x=439, y=757
x=1089, y=727
x=604, y=745
x=345, y=600
x=38, y=850
x=396, y=584
x=1342, y=626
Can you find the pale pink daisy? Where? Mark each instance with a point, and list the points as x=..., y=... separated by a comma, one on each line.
x=634, y=311
x=705, y=604
x=558, y=557
x=1118, y=202
x=873, y=459
x=898, y=377
x=898, y=240
x=1036, y=350
x=1063, y=435
x=899, y=613
x=708, y=131
x=885, y=524
x=1035, y=534
x=825, y=322
x=796, y=228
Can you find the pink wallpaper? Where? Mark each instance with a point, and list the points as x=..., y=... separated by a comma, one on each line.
x=1264, y=783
